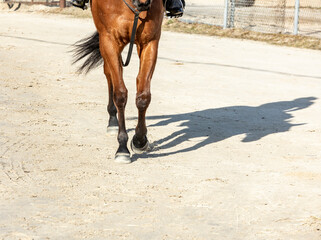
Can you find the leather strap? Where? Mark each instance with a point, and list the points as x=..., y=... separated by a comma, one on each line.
x=132, y=38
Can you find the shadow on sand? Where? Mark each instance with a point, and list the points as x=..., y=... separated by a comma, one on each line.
x=214, y=125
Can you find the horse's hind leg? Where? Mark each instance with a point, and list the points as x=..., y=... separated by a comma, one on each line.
x=148, y=56
x=112, y=127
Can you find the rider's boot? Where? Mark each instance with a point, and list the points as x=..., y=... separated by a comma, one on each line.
x=80, y=3
x=174, y=8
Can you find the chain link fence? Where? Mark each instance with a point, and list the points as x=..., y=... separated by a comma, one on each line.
x=269, y=16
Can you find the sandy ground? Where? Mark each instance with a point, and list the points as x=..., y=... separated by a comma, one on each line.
x=236, y=123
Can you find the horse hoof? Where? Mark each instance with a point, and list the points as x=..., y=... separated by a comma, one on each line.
x=140, y=150
x=112, y=130
x=123, y=158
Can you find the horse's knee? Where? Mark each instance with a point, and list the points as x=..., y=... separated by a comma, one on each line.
x=143, y=100
x=120, y=98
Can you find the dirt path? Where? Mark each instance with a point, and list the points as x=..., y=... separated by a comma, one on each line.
x=237, y=125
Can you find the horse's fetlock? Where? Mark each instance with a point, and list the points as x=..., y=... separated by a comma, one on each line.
x=111, y=109
x=122, y=137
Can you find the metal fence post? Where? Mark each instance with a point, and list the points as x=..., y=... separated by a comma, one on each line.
x=225, y=14
x=296, y=17
x=232, y=14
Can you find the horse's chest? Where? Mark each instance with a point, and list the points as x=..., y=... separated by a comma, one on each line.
x=145, y=31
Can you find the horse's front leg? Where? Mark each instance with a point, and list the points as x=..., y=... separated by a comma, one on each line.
x=148, y=57
x=111, y=53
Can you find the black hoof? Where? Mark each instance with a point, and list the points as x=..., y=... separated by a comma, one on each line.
x=123, y=158
x=140, y=147
x=122, y=155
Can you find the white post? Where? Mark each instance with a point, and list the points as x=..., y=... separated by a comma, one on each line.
x=225, y=14
x=296, y=17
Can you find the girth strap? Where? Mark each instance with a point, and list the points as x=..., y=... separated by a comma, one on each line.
x=132, y=38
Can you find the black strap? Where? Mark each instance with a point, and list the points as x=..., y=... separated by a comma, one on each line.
x=132, y=38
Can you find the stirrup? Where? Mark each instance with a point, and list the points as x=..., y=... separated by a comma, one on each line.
x=76, y=4
x=174, y=8
x=174, y=15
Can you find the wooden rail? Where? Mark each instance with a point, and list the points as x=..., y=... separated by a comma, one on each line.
x=60, y=3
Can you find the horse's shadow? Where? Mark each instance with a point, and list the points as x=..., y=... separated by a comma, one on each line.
x=214, y=125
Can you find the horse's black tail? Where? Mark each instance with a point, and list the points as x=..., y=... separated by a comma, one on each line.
x=87, y=49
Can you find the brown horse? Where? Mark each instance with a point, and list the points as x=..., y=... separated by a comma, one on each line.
x=114, y=23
